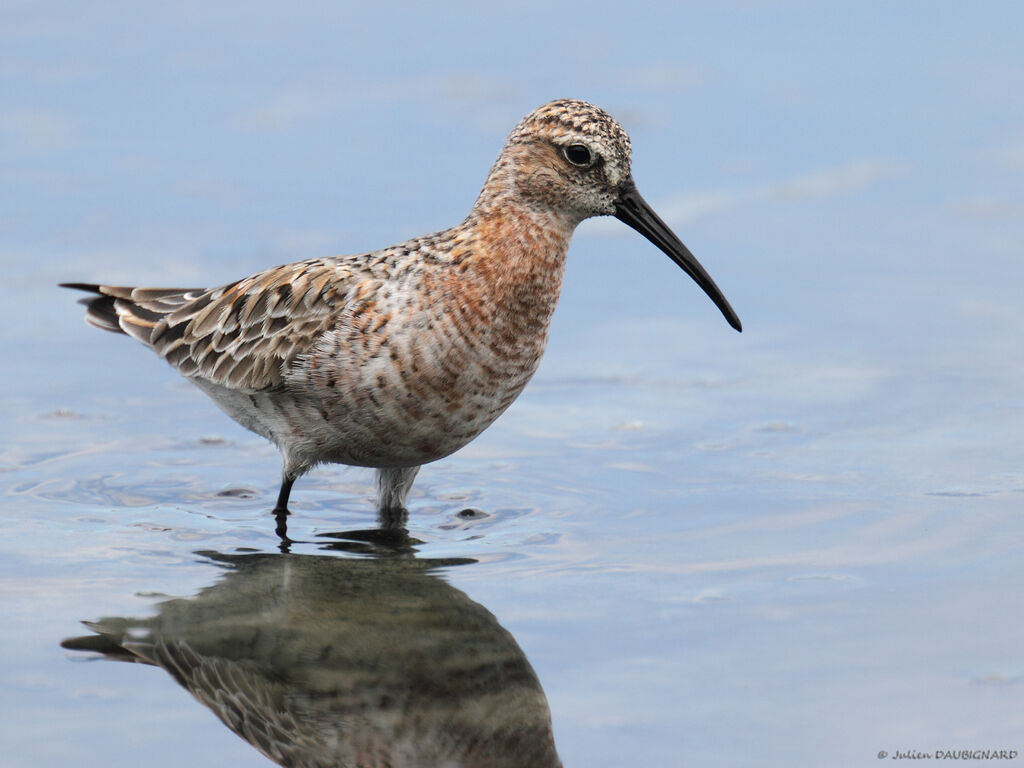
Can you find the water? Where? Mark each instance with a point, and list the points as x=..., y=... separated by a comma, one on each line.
x=794, y=546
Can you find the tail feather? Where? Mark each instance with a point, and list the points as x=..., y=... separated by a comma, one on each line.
x=100, y=309
x=131, y=311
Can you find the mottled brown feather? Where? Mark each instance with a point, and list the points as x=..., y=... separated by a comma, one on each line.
x=242, y=335
x=245, y=335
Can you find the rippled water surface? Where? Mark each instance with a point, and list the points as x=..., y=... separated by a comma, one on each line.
x=795, y=546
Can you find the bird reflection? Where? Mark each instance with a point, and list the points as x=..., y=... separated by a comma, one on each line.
x=341, y=661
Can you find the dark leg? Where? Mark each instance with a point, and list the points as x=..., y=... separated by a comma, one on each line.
x=281, y=518
x=393, y=518
x=281, y=512
x=282, y=497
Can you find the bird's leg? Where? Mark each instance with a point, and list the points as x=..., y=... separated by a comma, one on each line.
x=393, y=486
x=281, y=511
x=282, y=497
x=282, y=531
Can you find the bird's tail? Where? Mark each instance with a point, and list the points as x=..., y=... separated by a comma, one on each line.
x=132, y=311
x=111, y=640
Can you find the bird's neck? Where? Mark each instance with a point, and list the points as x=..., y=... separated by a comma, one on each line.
x=520, y=252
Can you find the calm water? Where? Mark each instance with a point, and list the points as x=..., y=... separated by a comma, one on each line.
x=795, y=546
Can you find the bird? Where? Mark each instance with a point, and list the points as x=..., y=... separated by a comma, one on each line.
x=319, y=661
x=398, y=357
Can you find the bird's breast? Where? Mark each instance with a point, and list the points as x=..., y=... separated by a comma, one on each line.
x=417, y=371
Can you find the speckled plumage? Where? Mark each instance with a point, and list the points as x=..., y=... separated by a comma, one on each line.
x=399, y=357
x=339, y=662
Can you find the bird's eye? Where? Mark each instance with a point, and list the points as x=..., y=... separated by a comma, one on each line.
x=578, y=155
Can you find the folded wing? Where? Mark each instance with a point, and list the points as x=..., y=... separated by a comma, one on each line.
x=242, y=335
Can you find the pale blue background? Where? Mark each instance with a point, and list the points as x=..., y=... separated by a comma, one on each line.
x=795, y=546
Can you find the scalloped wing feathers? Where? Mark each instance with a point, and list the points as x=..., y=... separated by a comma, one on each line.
x=242, y=335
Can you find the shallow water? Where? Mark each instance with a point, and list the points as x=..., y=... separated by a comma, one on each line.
x=795, y=546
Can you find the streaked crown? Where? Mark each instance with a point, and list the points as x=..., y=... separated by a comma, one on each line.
x=566, y=120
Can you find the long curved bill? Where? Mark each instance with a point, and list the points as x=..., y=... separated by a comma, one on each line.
x=632, y=209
